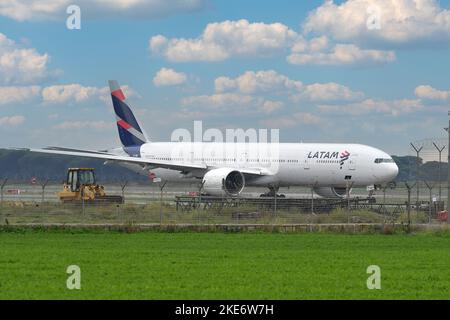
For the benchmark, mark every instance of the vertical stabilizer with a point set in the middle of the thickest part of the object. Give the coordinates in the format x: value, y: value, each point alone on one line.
x: 130, y: 132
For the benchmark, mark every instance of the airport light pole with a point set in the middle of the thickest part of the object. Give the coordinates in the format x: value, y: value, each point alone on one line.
x: 439, y: 149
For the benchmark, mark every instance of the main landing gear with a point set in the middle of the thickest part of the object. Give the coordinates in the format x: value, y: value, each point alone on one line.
x: 272, y: 192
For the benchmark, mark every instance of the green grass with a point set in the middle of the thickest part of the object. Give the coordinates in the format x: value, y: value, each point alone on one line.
x: 151, y: 265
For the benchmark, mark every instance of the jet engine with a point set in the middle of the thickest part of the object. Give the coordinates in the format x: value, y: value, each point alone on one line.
x: 223, y: 182
x: 331, y: 192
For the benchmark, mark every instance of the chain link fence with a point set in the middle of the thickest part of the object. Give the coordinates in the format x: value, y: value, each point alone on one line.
x: 183, y: 204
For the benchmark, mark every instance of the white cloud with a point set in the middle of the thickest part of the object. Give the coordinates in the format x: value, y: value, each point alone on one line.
x: 25, y: 10
x: 21, y: 65
x: 219, y: 100
x: 169, y: 77
x: 69, y: 93
x: 393, y: 107
x: 341, y: 54
x: 77, y: 93
x: 292, y: 121
x: 272, y: 82
x: 253, y: 82
x: 327, y: 92
x: 266, y: 92
x: 430, y: 93
x: 12, y: 121
x: 94, y: 125
x: 271, y: 106
x: 219, y: 41
x: 401, y: 21
x: 183, y: 50
x: 10, y: 95
x: 231, y: 101
x: 223, y: 40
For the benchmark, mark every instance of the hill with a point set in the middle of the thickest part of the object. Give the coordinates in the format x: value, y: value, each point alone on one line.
x: 412, y: 167
x: 22, y: 166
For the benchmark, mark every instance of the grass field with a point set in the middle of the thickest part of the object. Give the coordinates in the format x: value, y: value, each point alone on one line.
x: 151, y: 265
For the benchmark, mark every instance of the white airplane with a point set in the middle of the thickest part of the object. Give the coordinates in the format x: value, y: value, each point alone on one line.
x: 225, y: 169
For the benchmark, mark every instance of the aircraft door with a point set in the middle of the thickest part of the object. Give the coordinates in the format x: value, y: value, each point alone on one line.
x: 352, y: 162
x: 306, y: 163
x: 243, y: 158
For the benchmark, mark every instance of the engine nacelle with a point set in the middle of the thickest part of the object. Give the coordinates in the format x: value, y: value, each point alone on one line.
x: 224, y: 181
x: 331, y: 192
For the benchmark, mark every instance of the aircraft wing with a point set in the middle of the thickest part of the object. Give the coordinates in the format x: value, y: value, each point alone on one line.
x: 74, y: 150
x: 118, y: 158
x: 256, y: 171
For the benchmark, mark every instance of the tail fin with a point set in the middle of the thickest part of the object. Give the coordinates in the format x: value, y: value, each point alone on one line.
x: 130, y: 131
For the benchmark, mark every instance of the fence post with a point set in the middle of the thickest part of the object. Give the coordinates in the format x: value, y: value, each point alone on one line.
x: 409, y: 207
x: 275, y: 190
x: 200, y: 200
x: 161, y: 187
x: 275, y: 204
x: 1, y: 203
x: 43, y: 186
x: 348, y: 187
x: 82, y: 201
x: 123, y: 186
x: 439, y: 149
x: 2, y: 188
x: 430, y: 189
x: 417, y: 150
x: 409, y: 204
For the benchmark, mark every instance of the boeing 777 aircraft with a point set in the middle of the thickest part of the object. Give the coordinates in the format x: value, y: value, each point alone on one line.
x: 227, y: 168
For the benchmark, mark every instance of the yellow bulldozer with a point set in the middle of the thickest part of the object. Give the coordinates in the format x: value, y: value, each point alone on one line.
x: 81, y: 186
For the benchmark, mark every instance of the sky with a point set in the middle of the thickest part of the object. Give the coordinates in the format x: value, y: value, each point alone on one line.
x: 356, y: 71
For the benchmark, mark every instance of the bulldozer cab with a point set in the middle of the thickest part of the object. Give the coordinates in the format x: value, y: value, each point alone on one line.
x: 76, y: 177
x: 81, y: 186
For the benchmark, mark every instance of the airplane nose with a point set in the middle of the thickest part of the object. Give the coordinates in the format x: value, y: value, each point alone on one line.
x: 387, y: 173
x: 394, y: 171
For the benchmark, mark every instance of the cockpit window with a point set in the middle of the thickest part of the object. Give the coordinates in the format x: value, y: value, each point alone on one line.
x: 385, y: 160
